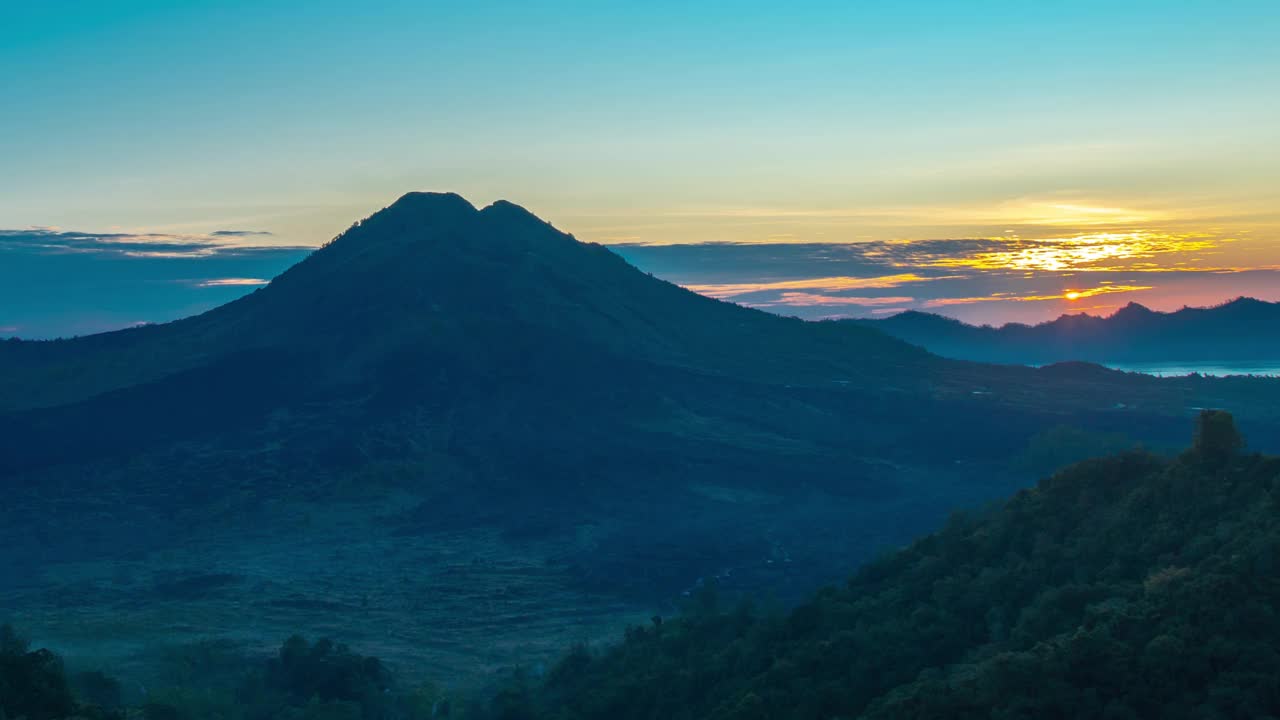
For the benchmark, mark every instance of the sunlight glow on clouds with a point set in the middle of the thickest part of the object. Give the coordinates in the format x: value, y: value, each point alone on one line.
x: 1066, y: 214
x: 1011, y: 297
x: 986, y: 279
x: 1091, y: 252
x: 800, y: 299
x: 828, y: 284
x: 1123, y: 142
x: 53, y: 241
x: 231, y: 282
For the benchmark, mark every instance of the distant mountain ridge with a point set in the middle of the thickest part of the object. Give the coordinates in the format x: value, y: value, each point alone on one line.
x: 1242, y: 330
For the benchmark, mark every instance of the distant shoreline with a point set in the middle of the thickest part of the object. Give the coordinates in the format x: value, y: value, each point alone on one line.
x: 1215, y: 369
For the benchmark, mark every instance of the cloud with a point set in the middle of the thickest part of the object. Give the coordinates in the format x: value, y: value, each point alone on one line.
x: 997, y: 279
x: 718, y: 269
x: 800, y: 299
x: 1090, y: 252
x: 229, y: 282
x: 59, y: 283
x: 238, y: 233
x: 47, y: 241
x: 1070, y: 295
x: 827, y: 284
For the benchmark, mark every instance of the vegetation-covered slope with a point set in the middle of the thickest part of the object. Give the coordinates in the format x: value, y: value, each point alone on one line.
x: 1124, y: 587
x: 470, y: 405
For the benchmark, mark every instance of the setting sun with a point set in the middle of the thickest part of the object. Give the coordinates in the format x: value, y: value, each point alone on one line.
x: 1072, y: 295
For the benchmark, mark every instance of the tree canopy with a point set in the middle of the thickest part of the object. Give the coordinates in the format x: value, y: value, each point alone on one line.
x: 1125, y: 587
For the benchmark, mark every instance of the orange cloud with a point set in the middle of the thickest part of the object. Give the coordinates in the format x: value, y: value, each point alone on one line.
x: 826, y: 284
x: 1092, y: 252
x: 231, y: 282
x: 1064, y: 295
x: 803, y: 299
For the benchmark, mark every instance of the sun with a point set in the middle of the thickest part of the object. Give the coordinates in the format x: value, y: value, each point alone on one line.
x: 1072, y: 295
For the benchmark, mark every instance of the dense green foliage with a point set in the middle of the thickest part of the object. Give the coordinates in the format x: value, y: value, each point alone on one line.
x: 34, y: 685
x: 1126, y: 587
x: 304, y: 681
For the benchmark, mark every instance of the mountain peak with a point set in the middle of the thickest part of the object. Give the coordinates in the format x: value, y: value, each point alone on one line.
x: 505, y: 206
x: 433, y: 202
x: 1134, y: 309
x: 1245, y: 302
x: 507, y: 213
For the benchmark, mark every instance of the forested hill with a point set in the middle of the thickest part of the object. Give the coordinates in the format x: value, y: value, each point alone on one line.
x: 1126, y: 587
x: 1237, y: 331
x: 442, y: 378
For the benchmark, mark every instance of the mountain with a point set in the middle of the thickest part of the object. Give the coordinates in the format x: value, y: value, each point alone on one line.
x: 432, y: 271
x: 1237, y: 331
x: 1127, y: 587
x: 465, y: 425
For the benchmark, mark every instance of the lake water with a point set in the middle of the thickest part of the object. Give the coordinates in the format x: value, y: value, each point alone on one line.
x: 1205, y: 368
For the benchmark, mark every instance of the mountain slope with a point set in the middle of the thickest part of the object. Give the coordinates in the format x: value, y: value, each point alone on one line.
x: 1238, y: 331
x: 432, y: 299
x: 470, y: 406
x: 1125, y: 587
x: 432, y: 270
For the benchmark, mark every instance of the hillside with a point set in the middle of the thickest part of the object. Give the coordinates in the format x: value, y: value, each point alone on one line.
x: 1238, y: 331
x: 1125, y: 587
x: 433, y: 274
x: 466, y: 425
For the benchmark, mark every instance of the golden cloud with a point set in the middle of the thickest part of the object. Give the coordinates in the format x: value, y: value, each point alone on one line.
x: 825, y: 284
x: 231, y: 282
x: 800, y: 299
x: 1069, y: 294
x: 1091, y: 252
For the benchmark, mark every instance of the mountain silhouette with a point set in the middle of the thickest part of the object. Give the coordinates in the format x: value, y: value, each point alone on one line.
x: 441, y: 379
x: 433, y: 272
x: 1237, y: 331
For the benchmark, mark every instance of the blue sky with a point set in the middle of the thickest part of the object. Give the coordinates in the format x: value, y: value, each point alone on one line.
x: 652, y: 124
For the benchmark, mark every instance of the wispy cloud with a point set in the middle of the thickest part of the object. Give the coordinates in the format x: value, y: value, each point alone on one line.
x: 230, y: 282
x: 800, y: 299
x: 238, y: 233
x: 59, y: 283
x: 50, y: 241
x: 826, y: 284
x: 978, y: 279
x: 1070, y: 295
x: 1046, y: 211
x: 1091, y: 252
x: 1046, y: 215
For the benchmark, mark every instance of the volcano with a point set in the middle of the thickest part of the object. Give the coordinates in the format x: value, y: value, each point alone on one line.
x: 464, y: 423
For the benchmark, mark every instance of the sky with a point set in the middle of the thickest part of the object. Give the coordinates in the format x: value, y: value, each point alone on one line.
x: 993, y: 161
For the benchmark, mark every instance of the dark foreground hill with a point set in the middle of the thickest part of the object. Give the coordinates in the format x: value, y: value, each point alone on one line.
x: 466, y: 425
x: 1238, y: 331
x: 1125, y: 587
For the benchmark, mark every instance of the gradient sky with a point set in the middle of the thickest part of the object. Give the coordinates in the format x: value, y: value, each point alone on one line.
x: 1116, y: 151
